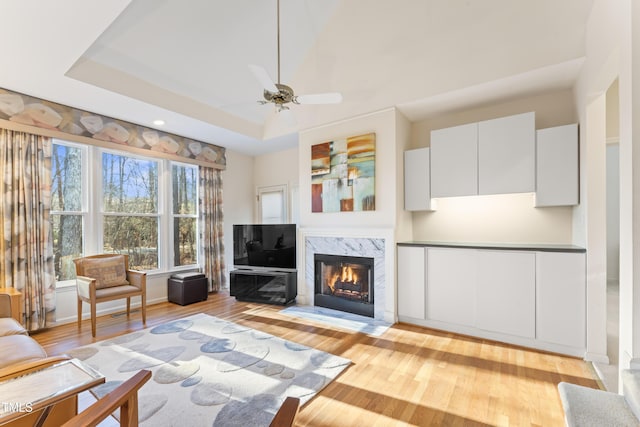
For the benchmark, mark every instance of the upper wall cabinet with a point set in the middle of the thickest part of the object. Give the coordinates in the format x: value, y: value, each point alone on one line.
x: 416, y: 180
x: 454, y: 166
x: 506, y: 155
x: 557, y: 166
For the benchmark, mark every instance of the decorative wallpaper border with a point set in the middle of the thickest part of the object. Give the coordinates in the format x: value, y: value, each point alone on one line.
x: 27, y: 110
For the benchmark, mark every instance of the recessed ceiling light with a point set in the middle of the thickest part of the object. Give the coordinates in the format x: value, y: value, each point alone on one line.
x: 158, y: 122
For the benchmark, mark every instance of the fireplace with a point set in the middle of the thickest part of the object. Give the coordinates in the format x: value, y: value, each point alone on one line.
x: 344, y: 283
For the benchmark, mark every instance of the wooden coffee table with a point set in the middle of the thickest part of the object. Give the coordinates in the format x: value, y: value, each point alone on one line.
x: 43, y: 388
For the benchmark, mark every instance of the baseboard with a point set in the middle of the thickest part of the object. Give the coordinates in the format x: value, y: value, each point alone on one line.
x: 103, y: 312
x: 596, y: 357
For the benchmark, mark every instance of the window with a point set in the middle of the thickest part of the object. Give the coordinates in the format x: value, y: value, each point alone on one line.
x: 145, y: 208
x: 68, y: 206
x: 184, y: 179
x: 130, y: 209
x: 272, y: 202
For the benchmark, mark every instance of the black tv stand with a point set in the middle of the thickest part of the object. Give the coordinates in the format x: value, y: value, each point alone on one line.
x: 266, y: 286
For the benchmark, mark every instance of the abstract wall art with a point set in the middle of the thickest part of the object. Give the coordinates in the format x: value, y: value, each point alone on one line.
x: 343, y: 174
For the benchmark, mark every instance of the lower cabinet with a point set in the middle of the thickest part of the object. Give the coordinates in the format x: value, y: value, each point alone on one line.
x: 506, y: 292
x: 412, y: 269
x: 561, y: 298
x: 524, y: 297
x: 272, y: 287
x: 451, y: 288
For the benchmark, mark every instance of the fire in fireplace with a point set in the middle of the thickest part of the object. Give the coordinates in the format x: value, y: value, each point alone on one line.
x: 344, y: 283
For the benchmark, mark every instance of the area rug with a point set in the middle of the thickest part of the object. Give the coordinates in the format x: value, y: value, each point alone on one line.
x: 211, y: 372
x: 341, y: 319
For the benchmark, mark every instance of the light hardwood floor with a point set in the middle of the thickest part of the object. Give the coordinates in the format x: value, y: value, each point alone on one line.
x: 408, y: 376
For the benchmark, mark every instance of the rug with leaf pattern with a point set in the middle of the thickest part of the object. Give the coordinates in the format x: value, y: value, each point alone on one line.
x: 211, y: 372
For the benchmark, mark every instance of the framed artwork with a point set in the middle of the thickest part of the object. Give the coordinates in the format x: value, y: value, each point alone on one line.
x: 343, y: 174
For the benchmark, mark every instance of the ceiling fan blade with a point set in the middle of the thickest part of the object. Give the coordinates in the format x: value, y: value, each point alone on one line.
x: 264, y: 78
x: 320, y: 98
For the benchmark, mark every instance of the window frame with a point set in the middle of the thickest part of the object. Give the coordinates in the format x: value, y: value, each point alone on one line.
x: 93, y: 213
x: 99, y: 201
x: 283, y: 189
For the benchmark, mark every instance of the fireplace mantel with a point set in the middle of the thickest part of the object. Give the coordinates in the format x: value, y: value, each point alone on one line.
x: 376, y: 243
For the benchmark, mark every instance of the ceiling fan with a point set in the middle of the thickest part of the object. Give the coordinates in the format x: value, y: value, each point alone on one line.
x: 280, y: 94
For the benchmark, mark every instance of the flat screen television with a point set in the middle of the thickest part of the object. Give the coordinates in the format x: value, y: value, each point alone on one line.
x: 264, y: 246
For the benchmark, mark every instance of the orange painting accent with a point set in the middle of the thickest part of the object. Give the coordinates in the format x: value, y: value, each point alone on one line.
x: 316, y: 197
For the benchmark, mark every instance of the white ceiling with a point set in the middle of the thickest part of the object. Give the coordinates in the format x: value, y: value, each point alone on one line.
x: 186, y: 61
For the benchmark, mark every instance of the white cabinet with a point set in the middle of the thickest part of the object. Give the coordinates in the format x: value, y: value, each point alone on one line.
x: 561, y: 299
x: 454, y: 165
x: 411, y: 281
x: 506, y: 155
x: 451, y: 290
x: 506, y: 292
x: 527, y: 297
x: 557, y: 166
x: 490, y: 157
x: 417, y: 180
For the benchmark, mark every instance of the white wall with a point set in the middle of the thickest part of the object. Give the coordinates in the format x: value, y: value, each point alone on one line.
x: 510, y: 218
x: 404, y: 219
x: 279, y: 168
x: 613, y: 183
x: 238, y: 197
x: 613, y: 213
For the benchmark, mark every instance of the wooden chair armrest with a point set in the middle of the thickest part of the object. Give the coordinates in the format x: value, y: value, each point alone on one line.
x: 125, y: 397
x: 25, y: 367
x: 5, y: 305
x: 287, y: 413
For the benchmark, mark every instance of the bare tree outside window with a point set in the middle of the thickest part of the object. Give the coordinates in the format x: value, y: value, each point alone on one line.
x: 66, y: 208
x: 130, y: 209
x: 185, y: 214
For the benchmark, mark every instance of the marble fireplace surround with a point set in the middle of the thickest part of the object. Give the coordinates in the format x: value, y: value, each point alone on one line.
x: 377, y: 244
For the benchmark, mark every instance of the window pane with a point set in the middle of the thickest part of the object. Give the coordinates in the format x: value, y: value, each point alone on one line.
x: 272, y: 204
x: 184, y: 242
x: 185, y: 189
x: 66, y: 178
x: 135, y: 236
x: 67, y: 244
x: 129, y: 184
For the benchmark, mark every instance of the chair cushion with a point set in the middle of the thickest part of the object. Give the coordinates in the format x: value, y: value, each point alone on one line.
x: 19, y: 348
x: 108, y: 271
x: 9, y: 326
x: 116, y: 290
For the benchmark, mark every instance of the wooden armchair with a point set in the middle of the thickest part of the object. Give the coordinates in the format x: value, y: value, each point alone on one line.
x: 107, y: 277
x: 286, y: 415
x: 125, y: 397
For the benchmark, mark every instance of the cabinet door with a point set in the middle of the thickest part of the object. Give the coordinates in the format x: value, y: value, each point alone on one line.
x: 506, y: 292
x: 451, y: 285
x: 416, y: 180
x: 454, y: 161
x: 557, y: 166
x: 561, y: 299
x: 411, y: 281
x: 506, y: 155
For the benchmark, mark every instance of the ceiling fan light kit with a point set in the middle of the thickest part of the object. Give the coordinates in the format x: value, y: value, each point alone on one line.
x: 280, y: 94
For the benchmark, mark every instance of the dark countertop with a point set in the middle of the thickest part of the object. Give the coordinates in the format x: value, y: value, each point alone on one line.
x: 543, y: 247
